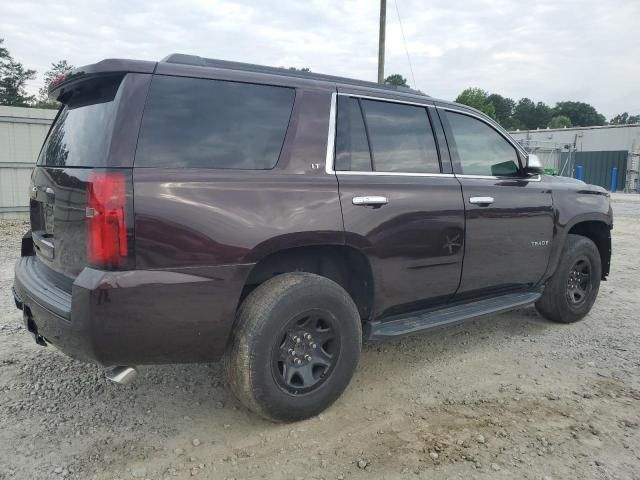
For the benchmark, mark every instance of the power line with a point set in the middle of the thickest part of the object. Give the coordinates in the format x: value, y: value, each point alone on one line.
x: 406, y: 49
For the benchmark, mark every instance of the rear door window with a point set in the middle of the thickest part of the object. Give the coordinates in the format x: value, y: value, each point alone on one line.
x: 401, y: 137
x: 352, y: 148
x: 200, y: 123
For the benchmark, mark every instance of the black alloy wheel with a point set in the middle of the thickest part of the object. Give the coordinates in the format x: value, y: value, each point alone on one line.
x: 570, y: 293
x: 306, y: 353
x: 294, y: 347
x: 579, y: 282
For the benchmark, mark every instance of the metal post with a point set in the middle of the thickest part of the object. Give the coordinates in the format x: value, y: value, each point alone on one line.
x: 614, y: 179
x: 579, y: 172
x: 383, y: 21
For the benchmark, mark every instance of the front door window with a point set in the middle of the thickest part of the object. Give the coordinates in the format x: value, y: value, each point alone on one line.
x: 481, y: 149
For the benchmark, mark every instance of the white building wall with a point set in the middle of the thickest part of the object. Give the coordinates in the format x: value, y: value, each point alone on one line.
x: 587, y: 139
x: 22, y: 131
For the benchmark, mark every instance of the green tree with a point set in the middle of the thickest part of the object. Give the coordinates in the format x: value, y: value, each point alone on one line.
x: 4, y: 53
x: 59, y: 68
x: 478, y: 99
x: 581, y: 114
x: 504, y: 108
x: 530, y: 115
x: 624, y: 119
x: 560, y: 121
x: 13, y: 79
x: 396, y: 79
x: 524, y: 113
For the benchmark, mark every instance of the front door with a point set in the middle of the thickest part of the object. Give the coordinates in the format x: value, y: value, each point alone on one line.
x: 398, y: 205
x: 509, y: 216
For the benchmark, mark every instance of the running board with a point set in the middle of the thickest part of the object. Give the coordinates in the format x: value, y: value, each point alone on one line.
x: 425, y: 320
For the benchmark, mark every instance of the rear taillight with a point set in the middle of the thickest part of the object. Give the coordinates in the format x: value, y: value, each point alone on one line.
x: 107, y: 220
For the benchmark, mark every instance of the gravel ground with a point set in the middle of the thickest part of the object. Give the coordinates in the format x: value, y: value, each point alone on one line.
x: 511, y: 396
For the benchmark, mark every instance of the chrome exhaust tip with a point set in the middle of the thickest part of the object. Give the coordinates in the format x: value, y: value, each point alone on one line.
x: 122, y: 375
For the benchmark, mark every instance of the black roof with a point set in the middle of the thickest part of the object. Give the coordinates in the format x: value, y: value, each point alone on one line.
x: 183, y: 59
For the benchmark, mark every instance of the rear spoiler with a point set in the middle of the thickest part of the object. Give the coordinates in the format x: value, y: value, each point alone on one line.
x: 65, y: 83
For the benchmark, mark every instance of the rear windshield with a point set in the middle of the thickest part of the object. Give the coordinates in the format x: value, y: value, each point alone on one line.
x: 81, y: 133
x: 199, y: 123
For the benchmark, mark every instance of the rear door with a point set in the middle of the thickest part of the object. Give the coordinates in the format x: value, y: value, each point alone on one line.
x: 509, y: 216
x: 399, y: 205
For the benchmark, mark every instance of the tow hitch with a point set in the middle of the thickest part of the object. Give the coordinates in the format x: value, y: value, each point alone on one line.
x: 31, y: 326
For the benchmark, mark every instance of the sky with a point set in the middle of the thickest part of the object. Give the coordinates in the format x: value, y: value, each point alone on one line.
x: 585, y: 50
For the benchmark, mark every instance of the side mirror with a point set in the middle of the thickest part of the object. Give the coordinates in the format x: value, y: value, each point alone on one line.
x: 534, y: 165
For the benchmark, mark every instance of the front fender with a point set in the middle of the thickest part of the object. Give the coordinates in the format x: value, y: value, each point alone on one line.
x: 572, y: 207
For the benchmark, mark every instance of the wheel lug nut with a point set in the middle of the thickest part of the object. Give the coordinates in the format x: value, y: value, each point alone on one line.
x: 296, y: 339
x: 307, y: 336
x: 313, y: 345
x: 307, y: 357
x: 297, y: 361
x: 290, y: 351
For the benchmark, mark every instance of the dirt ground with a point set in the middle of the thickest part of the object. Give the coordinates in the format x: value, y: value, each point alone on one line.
x: 511, y: 396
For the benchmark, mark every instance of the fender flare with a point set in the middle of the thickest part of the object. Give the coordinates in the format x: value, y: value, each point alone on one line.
x: 560, y: 237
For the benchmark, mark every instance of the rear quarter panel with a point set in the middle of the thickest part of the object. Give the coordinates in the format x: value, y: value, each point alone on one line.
x: 193, y: 218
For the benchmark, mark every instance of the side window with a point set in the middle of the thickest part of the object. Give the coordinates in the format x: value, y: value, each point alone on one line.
x: 352, y: 149
x: 199, y: 123
x: 481, y: 149
x: 401, y: 138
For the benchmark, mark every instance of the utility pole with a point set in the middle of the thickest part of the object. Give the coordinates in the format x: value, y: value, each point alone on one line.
x: 383, y: 21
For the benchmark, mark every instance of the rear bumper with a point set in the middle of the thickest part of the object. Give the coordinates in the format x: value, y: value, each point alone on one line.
x: 132, y: 317
x: 47, y: 310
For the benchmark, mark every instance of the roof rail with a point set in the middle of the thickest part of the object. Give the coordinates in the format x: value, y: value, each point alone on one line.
x: 184, y: 59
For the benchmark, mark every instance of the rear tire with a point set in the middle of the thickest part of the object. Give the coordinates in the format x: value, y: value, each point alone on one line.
x: 294, y: 347
x: 573, y: 288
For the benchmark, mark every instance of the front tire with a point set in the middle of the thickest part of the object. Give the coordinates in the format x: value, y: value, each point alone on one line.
x: 573, y: 288
x: 294, y: 347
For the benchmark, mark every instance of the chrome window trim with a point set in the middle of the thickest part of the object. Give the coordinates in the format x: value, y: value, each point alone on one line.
x: 331, y: 140
x: 331, y: 137
x: 383, y: 99
x: 394, y: 174
x: 537, y: 178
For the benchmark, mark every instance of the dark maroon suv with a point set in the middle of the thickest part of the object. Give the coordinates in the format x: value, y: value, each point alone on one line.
x: 193, y: 209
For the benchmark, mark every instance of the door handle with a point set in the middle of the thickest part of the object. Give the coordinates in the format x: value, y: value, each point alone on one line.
x: 483, y: 201
x: 370, y: 201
